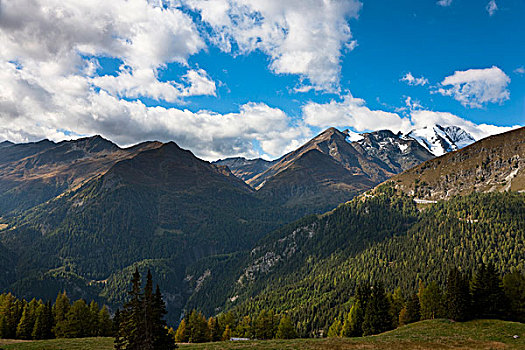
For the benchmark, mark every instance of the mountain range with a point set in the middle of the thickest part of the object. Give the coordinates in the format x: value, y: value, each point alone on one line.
x: 79, y: 215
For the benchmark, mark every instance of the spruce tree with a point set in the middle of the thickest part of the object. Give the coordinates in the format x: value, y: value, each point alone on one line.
x: 132, y: 325
x: 514, y: 287
x: 457, y: 296
x: 40, y: 322
x: 377, y: 314
x: 431, y: 301
x: 411, y: 312
x: 488, y: 296
x: 105, y: 325
x: 163, y: 340
x: 60, y: 310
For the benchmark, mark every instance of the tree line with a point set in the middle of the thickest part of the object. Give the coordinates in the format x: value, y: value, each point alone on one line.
x: 36, y: 319
x: 485, y: 295
x: 195, y: 328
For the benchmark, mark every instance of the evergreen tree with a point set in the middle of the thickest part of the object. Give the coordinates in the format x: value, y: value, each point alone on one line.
x: 244, y: 328
x: 105, y: 325
x: 431, y: 301
x: 488, y: 297
x: 397, y: 303
x: 60, y: 310
x: 93, y: 319
x: 411, y: 312
x: 457, y: 296
x: 514, y: 286
x: 377, y: 314
x: 27, y: 321
x: 78, y: 320
x: 286, y: 329
x: 40, y: 322
x: 131, y: 324
x: 117, y: 331
x: 198, y: 328
x: 162, y: 339
x: 215, y: 329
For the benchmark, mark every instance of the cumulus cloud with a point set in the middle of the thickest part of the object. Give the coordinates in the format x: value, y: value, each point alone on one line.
x: 40, y: 114
x: 444, y: 3
x: 477, y: 87
x: 352, y: 112
x: 301, y: 37
x: 424, y: 118
x: 49, y: 86
x: 411, y: 80
x: 55, y: 39
x: 492, y: 7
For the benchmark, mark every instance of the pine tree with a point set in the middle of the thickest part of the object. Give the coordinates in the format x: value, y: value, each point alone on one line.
x: 377, y: 314
x: 60, y: 310
x: 286, y: 329
x: 488, y: 297
x: 411, y: 312
x: 397, y: 303
x: 244, y: 328
x: 131, y: 324
x: 457, y: 296
x: 94, y: 309
x: 40, y: 322
x: 27, y: 321
x: 162, y: 339
x: 78, y: 318
x: 117, y: 331
x: 198, y: 328
x: 105, y: 325
x: 431, y: 301
x: 215, y: 329
x: 514, y: 287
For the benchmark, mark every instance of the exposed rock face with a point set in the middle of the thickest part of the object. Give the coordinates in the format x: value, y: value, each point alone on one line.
x: 496, y: 163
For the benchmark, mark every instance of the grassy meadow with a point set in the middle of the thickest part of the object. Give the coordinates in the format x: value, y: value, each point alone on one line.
x: 430, y: 334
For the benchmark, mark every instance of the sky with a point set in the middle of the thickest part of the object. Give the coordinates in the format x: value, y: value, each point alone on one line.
x: 257, y: 78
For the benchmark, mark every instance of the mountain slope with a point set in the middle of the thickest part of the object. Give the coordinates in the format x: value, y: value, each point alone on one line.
x: 162, y: 209
x: 329, y: 170
x: 495, y: 163
x: 33, y: 173
x: 244, y: 168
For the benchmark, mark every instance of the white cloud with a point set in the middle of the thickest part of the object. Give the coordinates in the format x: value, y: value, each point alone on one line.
x: 444, y: 3
x: 477, y: 87
x: 411, y: 80
x: 422, y: 118
x: 352, y: 112
x: 303, y: 37
x: 54, y: 39
x: 492, y: 7
x: 519, y: 70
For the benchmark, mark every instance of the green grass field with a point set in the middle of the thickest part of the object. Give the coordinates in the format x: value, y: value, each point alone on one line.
x: 435, y: 334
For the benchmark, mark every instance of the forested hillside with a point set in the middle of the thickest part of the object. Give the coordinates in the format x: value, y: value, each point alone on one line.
x: 161, y: 209
x: 311, y: 268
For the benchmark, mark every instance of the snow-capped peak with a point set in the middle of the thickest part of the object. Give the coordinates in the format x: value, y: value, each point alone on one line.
x: 440, y: 140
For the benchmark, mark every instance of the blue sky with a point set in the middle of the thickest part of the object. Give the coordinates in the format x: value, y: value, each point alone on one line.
x: 251, y: 78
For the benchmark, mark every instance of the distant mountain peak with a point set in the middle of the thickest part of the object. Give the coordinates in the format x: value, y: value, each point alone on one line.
x: 439, y: 140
